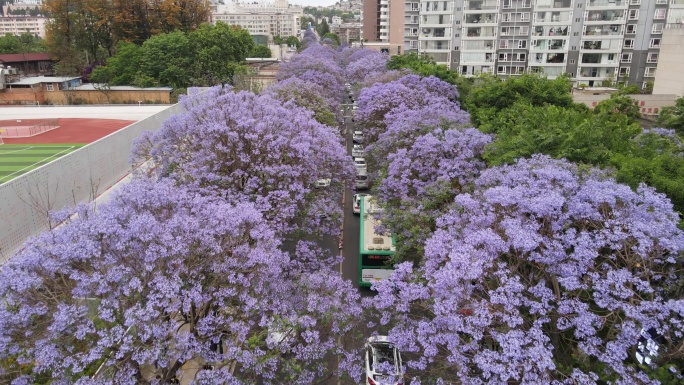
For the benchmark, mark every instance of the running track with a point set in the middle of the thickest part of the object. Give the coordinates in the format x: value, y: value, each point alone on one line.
x: 75, y: 131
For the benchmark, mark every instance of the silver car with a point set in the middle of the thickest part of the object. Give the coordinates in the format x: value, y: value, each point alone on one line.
x: 383, y: 362
x: 357, y: 151
x: 357, y: 137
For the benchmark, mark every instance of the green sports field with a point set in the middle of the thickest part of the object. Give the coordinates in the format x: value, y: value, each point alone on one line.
x: 17, y: 159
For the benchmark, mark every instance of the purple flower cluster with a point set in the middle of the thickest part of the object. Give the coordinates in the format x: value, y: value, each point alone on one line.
x: 541, y: 263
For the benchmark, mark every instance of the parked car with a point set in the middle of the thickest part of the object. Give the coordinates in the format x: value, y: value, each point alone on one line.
x: 322, y: 183
x: 357, y: 151
x: 357, y: 137
x: 383, y: 362
x: 360, y: 163
x: 362, y: 181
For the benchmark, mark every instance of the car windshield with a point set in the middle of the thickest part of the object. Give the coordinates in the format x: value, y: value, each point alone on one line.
x: 384, y: 357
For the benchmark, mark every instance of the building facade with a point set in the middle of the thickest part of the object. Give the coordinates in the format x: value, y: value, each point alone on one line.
x: 594, y: 41
x: 18, y: 25
x: 277, y: 18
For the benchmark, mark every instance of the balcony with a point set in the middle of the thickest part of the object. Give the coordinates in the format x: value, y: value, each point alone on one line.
x: 548, y: 71
x: 434, y: 45
x: 550, y: 31
x: 479, y: 18
x: 479, y: 32
x: 595, y: 72
x: 678, y: 3
x: 483, y: 5
x: 554, y: 4
x: 478, y: 45
x: 593, y: 4
x: 516, y: 4
x: 550, y: 45
x: 598, y: 59
x: 552, y: 17
x: 603, y: 16
x: 476, y: 58
x: 604, y: 30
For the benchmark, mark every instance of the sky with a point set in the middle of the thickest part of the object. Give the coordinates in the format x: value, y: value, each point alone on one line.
x: 313, y: 3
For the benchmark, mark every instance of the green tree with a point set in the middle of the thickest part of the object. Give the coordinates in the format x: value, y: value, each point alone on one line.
x: 122, y: 68
x: 619, y: 104
x: 332, y: 36
x: 305, y: 20
x: 169, y: 58
x: 292, y: 41
x: 489, y: 94
x: 219, y: 49
x: 260, y: 51
x: 323, y: 28
x: 24, y: 43
x: 673, y: 117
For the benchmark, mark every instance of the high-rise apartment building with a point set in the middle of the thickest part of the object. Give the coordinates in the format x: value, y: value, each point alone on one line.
x: 260, y: 17
x: 383, y: 22
x: 592, y: 40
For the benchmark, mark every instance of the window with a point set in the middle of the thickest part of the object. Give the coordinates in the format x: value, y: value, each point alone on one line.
x: 634, y: 2
x: 50, y: 87
x: 652, y: 58
x: 579, y: 5
x: 414, y: 44
x: 577, y: 20
x: 650, y: 72
x: 522, y: 44
x: 524, y: 30
x: 631, y: 29
x: 629, y: 43
x: 660, y: 13
x: 504, y: 31
x: 611, y: 56
x: 633, y: 14
x: 657, y: 28
x: 626, y: 58
x: 502, y: 56
x: 661, y: 1
x: 503, y: 43
x: 624, y: 71
x: 572, y: 61
x: 654, y: 43
x: 501, y: 70
x: 575, y: 34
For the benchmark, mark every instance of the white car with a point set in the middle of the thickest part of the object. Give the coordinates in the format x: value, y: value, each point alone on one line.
x: 357, y: 137
x: 383, y: 362
x: 362, y: 181
x: 360, y: 163
x: 357, y: 151
x: 322, y: 183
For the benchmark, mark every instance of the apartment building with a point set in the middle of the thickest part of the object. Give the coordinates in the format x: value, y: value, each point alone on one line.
x: 592, y: 40
x: 383, y: 24
x: 18, y: 25
x: 261, y: 17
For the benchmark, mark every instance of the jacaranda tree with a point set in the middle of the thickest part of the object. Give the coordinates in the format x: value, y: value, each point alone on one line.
x: 544, y: 273
x: 357, y: 70
x: 164, y: 278
x: 244, y: 147
x: 427, y: 157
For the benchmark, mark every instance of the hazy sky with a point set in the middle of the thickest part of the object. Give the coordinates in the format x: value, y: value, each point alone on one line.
x: 313, y: 3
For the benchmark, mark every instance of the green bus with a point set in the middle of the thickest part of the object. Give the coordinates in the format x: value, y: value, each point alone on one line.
x: 374, y: 249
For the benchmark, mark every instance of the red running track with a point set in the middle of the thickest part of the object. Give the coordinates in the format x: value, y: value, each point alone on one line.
x: 75, y: 131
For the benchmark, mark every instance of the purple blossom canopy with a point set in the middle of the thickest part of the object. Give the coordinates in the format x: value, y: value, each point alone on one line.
x: 368, y: 65
x: 159, y: 277
x: 540, y: 264
x: 244, y: 147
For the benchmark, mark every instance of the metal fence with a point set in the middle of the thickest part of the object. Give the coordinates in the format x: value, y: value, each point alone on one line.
x: 76, y: 177
x: 22, y: 129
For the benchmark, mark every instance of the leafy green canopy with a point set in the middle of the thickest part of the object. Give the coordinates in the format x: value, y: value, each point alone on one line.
x: 673, y: 117
x: 207, y: 56
x: 24, y: 43
x: 490, y: 94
